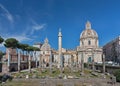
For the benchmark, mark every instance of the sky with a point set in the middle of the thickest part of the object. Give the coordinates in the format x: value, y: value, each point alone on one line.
x: 31, y: 21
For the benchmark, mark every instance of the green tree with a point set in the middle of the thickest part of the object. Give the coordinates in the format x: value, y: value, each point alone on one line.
x: 11, y: 43
x: 23, y: 46
x: 36, y: 49
x: 1, y: 39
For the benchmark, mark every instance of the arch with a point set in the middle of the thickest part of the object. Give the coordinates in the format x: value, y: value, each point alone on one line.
x: 47, y: 64
x: 13, y: 69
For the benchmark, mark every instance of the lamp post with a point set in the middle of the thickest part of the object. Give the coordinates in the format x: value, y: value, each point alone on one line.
x: 93, y: 65
x: 82, y: 62
x: 50, y: 61
x: 76, y: 61
x: 61, y: 63
x: 103, y: 56
x: 43, y: 61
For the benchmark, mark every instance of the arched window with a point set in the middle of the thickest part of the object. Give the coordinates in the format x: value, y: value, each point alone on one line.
x: 89, y: 42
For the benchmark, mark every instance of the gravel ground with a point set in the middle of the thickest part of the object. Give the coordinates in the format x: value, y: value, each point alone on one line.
x: 62, y: 82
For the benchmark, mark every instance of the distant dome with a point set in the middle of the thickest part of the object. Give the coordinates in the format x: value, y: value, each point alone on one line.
x: 88, y: 32
x: 45, y: 46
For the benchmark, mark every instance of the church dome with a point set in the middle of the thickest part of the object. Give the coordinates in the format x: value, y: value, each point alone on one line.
x: 45, y: 46
x: 88, y: 32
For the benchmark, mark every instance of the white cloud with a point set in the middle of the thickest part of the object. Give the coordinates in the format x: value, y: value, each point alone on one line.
x: 39, y: 27
x: 35, y: 26
x: 6, y: 13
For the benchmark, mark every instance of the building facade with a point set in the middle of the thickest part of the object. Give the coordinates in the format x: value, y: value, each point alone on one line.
x: 45, y: 53
x: 112, y: 50
x: 89, y: 49
x: 69, y: 57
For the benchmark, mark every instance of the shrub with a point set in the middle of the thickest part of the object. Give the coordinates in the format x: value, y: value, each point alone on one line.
x: 0, y: 79
x: 6, y: 77
x: 117, y: 74
x: 10, y: 78
x: 85, y: 65
x: 53, y: 71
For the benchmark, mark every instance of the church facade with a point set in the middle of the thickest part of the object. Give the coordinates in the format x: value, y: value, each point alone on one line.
x: 89, y: 50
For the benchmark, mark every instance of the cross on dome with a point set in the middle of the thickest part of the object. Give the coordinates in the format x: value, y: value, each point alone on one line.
x: 46, y: 40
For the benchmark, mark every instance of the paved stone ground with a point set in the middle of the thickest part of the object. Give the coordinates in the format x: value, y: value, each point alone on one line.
x: 70, y: 82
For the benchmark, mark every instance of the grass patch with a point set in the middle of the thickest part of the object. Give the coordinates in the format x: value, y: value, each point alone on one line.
x: 55, y: 72
x: 87, y: 71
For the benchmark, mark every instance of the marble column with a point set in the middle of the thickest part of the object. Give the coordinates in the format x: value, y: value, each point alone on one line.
x: 29, y: 63
x: 8, y: 60
x: 60, y: 48
x: 18, y: 61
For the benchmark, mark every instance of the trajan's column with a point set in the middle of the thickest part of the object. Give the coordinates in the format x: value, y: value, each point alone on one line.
x: 60, y: 48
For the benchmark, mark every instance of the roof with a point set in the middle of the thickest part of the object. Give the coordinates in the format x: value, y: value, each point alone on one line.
x: 88, y: 32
